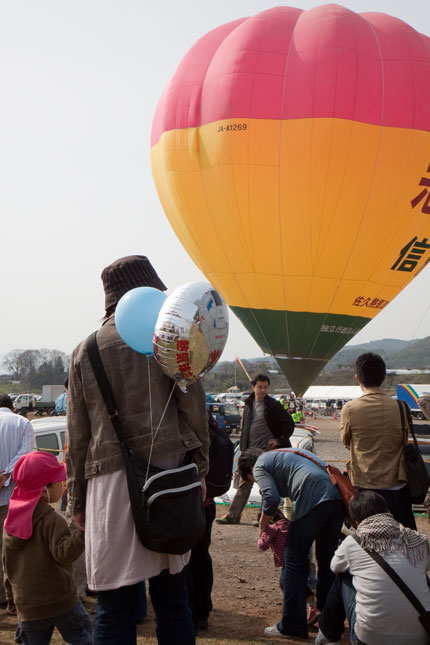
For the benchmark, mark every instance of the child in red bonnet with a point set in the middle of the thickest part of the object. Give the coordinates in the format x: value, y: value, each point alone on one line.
x: 38, y: 551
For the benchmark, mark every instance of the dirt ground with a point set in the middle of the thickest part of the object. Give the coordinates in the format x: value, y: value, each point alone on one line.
x: 246, y: 594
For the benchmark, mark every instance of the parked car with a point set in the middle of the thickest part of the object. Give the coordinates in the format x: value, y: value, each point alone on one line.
x: 25, y: 403
x: 50, y: 435
x: 226, y: 414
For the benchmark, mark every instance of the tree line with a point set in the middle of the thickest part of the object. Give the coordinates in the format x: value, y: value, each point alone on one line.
x: 37, y: 367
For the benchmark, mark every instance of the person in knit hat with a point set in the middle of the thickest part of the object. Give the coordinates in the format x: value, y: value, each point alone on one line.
x: 98, y: 497
x: 38, y: 552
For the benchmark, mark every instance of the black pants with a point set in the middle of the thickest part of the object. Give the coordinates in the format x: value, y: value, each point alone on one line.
x: 200, y: 571
x: 400, y: 505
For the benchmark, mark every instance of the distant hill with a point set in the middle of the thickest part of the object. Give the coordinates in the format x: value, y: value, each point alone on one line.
x: 415, y: 355
x: 394, y: 352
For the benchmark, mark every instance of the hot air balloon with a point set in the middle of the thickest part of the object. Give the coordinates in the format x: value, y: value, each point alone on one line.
x: 291, y: 154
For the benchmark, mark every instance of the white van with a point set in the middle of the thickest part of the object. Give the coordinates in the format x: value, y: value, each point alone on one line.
x: 50, y: 435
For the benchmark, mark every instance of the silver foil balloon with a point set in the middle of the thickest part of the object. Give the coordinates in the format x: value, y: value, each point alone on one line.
x: 190, y: 332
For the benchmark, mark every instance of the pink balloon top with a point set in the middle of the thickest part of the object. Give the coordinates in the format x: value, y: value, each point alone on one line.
x: 285, y: 63
x: 31, y: 474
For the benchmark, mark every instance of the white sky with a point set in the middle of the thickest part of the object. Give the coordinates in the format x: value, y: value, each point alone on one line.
x: 80, y: 81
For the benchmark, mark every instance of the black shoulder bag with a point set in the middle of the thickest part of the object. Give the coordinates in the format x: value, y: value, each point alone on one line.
x: 166, y: 505
x: 423, y: 614
x: 418, y: 477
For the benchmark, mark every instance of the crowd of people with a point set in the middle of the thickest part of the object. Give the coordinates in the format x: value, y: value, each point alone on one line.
x: 39, y: 548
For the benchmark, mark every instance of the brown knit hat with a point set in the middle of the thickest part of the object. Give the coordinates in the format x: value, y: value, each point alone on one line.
x: 128, y: 273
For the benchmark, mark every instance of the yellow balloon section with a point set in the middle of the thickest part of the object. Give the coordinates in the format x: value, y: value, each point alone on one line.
x: 291, y: 154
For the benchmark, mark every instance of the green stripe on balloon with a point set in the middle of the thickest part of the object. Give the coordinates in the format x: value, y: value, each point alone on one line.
x: 302, y: 342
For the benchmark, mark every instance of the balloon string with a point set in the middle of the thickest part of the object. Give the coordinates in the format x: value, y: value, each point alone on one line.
x: 150, y: 412
x: 153, y: 437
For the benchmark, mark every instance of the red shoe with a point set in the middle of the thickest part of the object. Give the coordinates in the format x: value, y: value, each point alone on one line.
x: 314, y: 614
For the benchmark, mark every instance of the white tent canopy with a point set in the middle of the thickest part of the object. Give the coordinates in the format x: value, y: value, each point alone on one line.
x: 321, y: 392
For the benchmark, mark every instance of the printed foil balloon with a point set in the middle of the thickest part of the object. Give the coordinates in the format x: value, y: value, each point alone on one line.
x: 190, y: 332
x: 291, y: 154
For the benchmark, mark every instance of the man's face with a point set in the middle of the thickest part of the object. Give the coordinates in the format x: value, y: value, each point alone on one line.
x: 261, y: 389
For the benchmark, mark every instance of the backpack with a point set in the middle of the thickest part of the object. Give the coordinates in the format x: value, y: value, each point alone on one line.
x: 221, y: 450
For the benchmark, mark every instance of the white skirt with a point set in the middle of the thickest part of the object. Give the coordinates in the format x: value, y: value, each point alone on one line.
x: 115, y: 557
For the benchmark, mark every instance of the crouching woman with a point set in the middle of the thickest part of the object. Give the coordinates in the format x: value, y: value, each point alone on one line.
x: 378, y: 612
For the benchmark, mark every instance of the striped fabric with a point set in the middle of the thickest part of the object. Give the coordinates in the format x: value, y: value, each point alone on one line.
x: 275, y: 537
x: 16, y: 439
x: 128, y: 273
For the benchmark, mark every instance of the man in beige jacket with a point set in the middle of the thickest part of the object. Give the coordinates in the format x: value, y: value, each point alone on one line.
x: 371, y: 429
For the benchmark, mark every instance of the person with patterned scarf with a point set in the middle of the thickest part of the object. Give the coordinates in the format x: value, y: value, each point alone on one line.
x: 378, y: 612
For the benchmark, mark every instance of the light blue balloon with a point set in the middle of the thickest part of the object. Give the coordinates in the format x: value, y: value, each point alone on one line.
x: 135, y: 317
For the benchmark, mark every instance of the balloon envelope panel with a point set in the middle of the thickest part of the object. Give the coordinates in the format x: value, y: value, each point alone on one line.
x: 291, y: 154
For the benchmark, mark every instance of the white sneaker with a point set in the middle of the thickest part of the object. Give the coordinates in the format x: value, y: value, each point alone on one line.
x: 322, y: 640
x: 274, y: 632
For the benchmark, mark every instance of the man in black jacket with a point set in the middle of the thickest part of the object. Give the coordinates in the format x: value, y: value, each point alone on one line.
x: 265, y: 425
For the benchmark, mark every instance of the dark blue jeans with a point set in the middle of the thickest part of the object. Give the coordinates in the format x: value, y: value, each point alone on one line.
x: 200, y: 571
x: 74, y: 626
x: 322, y: 525
x: 340, y: 604
x: 142, y: 605
x: 116, y: 613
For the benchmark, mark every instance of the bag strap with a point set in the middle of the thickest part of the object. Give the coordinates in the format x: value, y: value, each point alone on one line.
x: 328, y: 467
x: 404, y: 408
x: 103, y: 383
x: 302, y: 454
x: 395, y: 578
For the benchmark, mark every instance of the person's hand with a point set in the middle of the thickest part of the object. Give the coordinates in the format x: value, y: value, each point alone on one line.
x: 273, y: 443
x: 79, y: 520
x: 3, y: 477
x: 265, y: 520
x: 203, y: 482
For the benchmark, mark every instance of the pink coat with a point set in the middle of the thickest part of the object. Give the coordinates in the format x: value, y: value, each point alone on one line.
x: 275, y: 537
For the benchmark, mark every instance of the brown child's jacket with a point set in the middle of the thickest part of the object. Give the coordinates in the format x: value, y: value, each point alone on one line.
x: 39, y: 570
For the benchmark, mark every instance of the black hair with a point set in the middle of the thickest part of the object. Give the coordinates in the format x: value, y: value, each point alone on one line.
x: 260, y: 377
x: 370, y: 369
x: 247, y: 460
x: 66, y: 383
x: 365, y: 504
x: 6, y: 401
